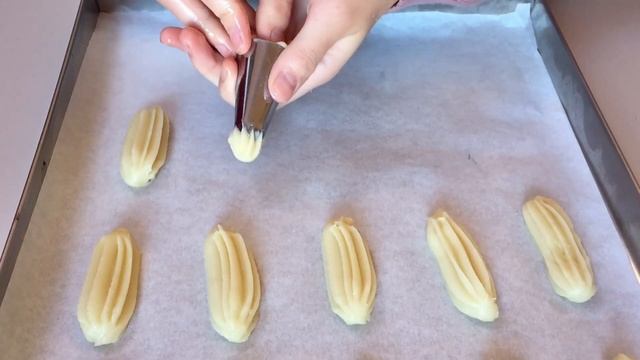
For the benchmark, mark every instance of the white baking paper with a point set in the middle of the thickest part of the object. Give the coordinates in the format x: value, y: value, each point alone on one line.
x: 435, y: 110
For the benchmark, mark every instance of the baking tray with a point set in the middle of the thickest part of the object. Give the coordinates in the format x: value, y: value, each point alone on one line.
x: 81, y: 34
x: 509, y: 338
x: 600, y: 149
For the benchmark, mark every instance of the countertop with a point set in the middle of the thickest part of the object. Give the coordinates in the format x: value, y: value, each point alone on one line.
x: 603, y: 37
x: 35, y: 35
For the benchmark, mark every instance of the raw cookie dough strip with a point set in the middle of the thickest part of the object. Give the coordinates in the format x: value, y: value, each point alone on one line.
x: 567, y: 262
x: 245, y: 145
x: 469, y: 282
x: 622, y: 357
x: 349, y: 272
x: 233, y: 285
x: 145, y: 147
x: 110, y: 289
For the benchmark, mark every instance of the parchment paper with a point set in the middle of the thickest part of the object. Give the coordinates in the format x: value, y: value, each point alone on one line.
x: 435, y: 110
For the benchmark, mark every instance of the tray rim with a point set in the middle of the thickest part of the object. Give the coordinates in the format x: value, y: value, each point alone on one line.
x: 84, y: 24
x: 606, y: 162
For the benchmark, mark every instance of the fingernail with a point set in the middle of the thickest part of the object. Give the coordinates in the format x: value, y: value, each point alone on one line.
x: 223, y: 49
x: 237, y: 39
x: 276, y: 35
x: 285, y: 85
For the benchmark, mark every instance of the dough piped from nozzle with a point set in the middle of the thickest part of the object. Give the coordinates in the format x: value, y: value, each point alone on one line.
x: 468, y: 280
x: 567, y: 262
x: 350, y: 276
x: 622, y: 356
x: 245, y: 145
x: 110, y: 288
x: 233, y: 285
x: 145, y: 147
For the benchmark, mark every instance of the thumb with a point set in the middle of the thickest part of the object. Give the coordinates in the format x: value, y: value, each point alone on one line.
x: 301, y: 57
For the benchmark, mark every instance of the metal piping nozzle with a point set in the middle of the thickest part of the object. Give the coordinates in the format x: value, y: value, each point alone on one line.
x: 254, y: 105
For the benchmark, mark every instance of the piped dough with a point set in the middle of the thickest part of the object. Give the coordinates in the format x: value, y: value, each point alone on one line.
x: 145, y: 147
x: 468, y: 281
x: 233, y: 285
x: 622, y: 357
x: 567, y: 262
x: 244, y: 144
x: 110, y: 289
x: 351, y: 278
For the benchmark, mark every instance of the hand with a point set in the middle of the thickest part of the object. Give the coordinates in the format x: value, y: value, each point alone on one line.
x: 322, y: 36
x: 226, y: 24
x: 331, y: 33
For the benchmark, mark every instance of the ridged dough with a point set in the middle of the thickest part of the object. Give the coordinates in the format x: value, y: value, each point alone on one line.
x: 233, y: 285
x: 567, y: 262
x: 469, y: 282
x: 622, y: 357
x: 351, y: 278
x: 145, y: 147
x: 244, y: 144
x: 110, y: 289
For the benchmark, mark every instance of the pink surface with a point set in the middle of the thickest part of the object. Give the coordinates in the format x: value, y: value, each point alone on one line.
x: 34, y: 35
x: 604, y: 39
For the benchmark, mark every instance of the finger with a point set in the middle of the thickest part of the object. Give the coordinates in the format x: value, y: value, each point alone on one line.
x: 227, y: 84
x: 206, y: 60
x: 171, y: 36
x: 235, y: 17
x: 300, y: 59
x: 273, y: 19
x: 219, y: 71
x: 195, y: 13
x: 331, y: 64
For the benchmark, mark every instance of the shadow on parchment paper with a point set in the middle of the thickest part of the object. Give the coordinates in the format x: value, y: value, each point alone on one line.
x: 368, y: 356
x: 497, y: 352
x: 533, y: 192
x: 343, y: 208
x: 456, y: 213
x: 440, y: 204
x: 170, y: 106
x: 233, y: 218
x: 72, y: 157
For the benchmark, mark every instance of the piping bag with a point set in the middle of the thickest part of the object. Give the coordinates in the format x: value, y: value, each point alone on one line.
x: 254, y: 106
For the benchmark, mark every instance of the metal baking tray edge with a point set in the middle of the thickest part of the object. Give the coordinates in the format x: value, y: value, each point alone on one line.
x: 85, y: 22
x: 599, y: 148
x: 607, y: 164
